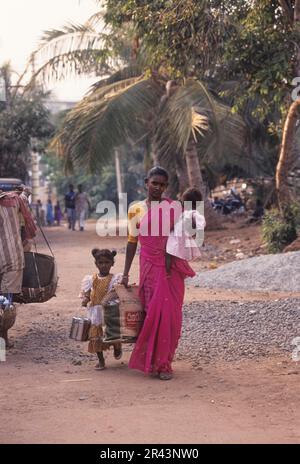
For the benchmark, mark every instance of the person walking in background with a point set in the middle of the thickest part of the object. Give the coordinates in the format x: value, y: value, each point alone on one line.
x: 82, y: 206
x: 49, y: 217
x: 70, y: 207
x: 57, y: 214
x: 38, y: 208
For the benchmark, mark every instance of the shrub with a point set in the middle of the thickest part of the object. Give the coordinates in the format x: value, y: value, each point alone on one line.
x: 280, y: 229
x: 295, y: 209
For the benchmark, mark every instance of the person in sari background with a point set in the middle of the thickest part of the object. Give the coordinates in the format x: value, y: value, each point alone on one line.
x: 150, y: 223
x: 50, y: 216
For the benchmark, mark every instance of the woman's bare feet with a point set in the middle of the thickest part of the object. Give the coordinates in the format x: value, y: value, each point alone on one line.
x: 165, y: 375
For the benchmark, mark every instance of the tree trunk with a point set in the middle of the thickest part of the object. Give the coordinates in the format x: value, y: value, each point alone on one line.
x: 297, y: 15
x: 182, y: 174
x: 297, y: 29
x: 213, y: 221
x: 284, y: 163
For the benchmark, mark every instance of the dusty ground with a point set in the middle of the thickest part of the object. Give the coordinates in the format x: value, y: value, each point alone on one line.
x: 50, y: 392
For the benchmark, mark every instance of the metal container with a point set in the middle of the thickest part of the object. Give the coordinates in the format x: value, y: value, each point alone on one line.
x: 82, y: 333
x: 74, y: 327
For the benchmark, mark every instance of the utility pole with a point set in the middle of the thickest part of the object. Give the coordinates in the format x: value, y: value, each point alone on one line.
x: 2, y: 90
x: 122, y: 202
x: 35, y: 177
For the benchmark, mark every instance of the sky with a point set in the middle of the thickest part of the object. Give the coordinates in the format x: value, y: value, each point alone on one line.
x: 22, y: 23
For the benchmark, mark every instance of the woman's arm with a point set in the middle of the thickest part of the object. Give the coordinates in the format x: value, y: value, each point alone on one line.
x: 130, y: 254
x: 168, y: 263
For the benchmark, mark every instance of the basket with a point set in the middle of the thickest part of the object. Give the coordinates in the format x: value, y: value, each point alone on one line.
x: 7, y: 319
x: 39, y: 279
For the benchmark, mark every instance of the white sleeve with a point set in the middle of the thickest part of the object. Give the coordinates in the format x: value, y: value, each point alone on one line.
x: 86, y: 283
x: 117, y: 278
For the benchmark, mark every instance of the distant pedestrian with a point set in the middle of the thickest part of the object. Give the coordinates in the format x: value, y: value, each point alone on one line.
x: 38, y: 212
x: 82, y: 206
x: 70, y: 207
x: 58, y: 213
x: 42, y: 217
x: 50, y: 217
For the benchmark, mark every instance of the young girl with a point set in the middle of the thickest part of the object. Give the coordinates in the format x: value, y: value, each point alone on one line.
x: 94, y: 289
x: 181, y: 241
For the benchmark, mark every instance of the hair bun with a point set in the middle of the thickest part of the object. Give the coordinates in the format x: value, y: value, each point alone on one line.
x: 114, y: 253
x: 95, y: 251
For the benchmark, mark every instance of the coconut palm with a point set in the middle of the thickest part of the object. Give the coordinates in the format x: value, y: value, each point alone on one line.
x: 180, y: 126
x: 288, y: 154
x: 185, y: 126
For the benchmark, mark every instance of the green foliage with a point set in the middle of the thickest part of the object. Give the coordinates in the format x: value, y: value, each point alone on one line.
x: 244, y: 51
x: 102, y: 184
x: 181, y: 36
x: 105, y: 120
x: 262, y: 55
x: 23, y: 119
x: 295, y: 212
x: 280, y: 229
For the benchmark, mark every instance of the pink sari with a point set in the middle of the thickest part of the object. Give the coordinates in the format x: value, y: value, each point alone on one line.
x: 161, y: 296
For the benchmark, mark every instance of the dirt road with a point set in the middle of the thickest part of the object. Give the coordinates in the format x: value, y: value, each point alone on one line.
x: 50, y: 392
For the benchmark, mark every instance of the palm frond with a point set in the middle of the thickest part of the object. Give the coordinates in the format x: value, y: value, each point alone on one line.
x: 233, y: 141
x: 199, y: 123
x: 69, y: 28
x: 96, y: 19
x: 188, y: 112
x: 193, y: 111
x: 74, y: 48
x: 77, y: 63
x: 125, y: 73
x: 106, y: 119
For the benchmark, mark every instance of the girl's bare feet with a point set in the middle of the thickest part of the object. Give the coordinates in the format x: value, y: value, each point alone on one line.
x: 118, y: 351
x: 101, y: 364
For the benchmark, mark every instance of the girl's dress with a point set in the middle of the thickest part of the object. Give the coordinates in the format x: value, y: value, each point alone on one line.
x: 97, y: 287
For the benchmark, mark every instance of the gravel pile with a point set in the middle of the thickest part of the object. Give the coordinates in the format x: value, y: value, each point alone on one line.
x: 228, y: 330
x: 268, y: 272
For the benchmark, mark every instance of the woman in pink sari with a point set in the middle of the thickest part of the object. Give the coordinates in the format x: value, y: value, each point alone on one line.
x: 161, y: 294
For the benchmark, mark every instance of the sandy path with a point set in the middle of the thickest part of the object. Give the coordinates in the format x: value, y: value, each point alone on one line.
x: 44, y: 398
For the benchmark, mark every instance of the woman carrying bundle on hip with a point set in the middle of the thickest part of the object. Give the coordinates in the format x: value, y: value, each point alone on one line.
x: 150, y: 223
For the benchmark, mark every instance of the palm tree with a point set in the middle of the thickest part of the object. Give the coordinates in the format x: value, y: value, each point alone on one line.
x: 131, y: 109
x: 131, y: 105
x: 287, y: 154
x: 287, y: 151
